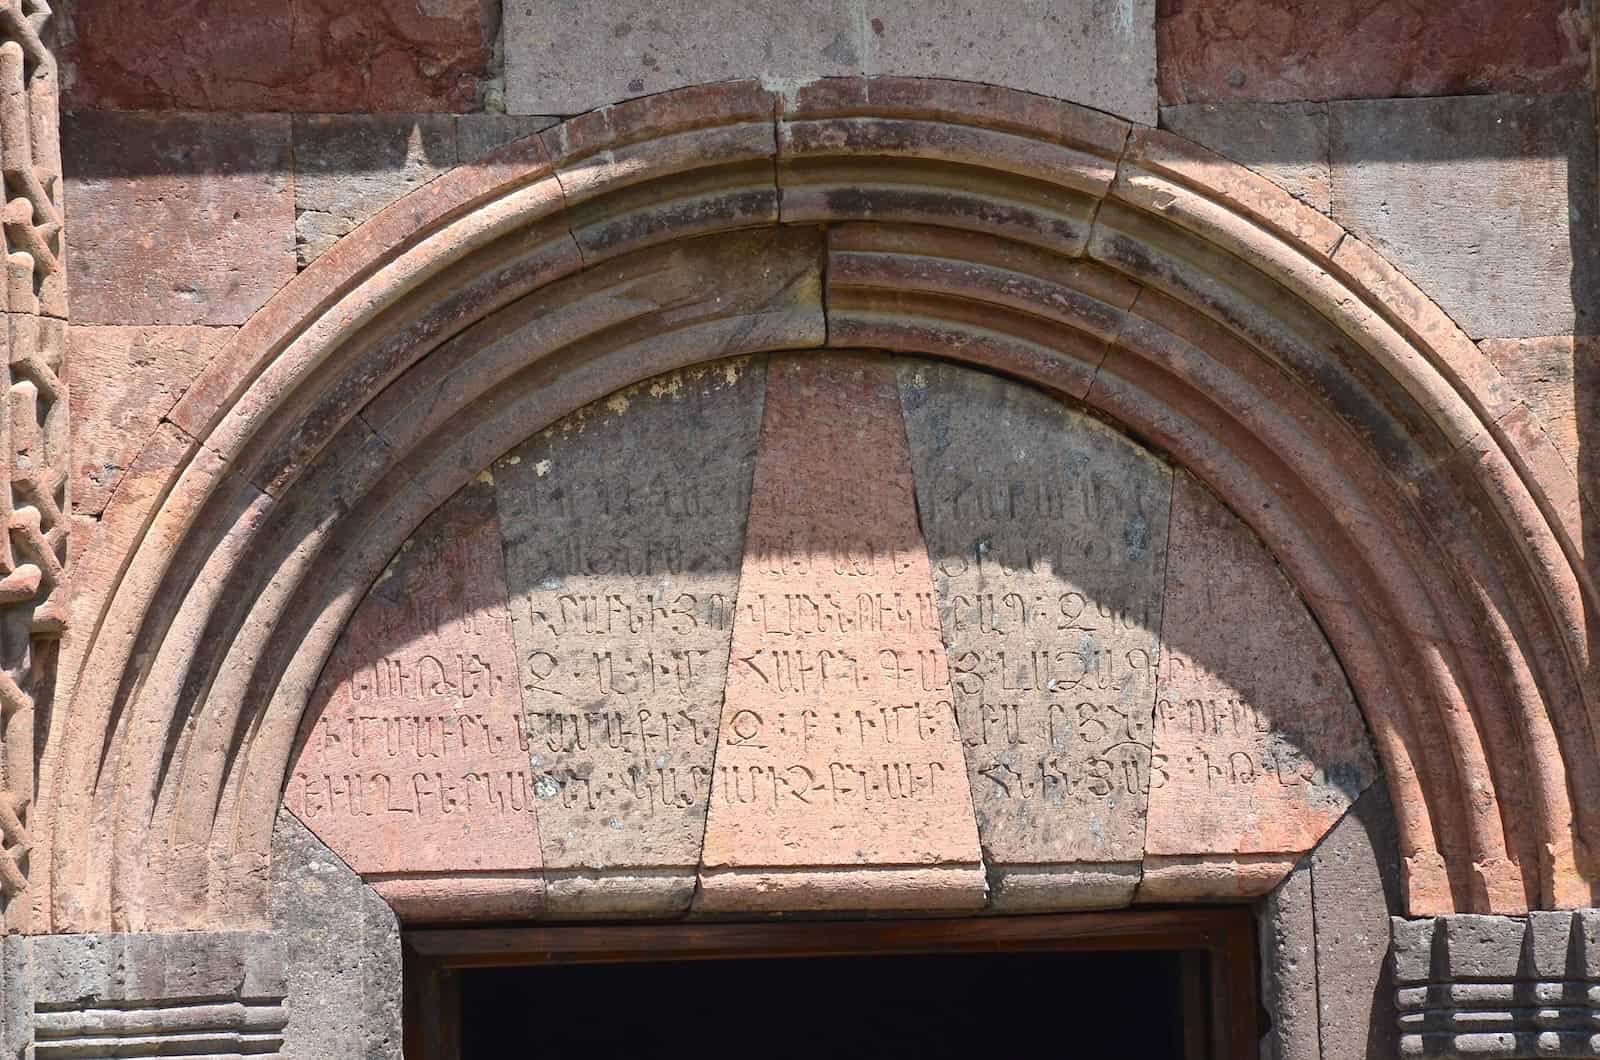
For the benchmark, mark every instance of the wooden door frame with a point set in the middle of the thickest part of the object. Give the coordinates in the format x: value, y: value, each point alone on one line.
x: 1218, y: 946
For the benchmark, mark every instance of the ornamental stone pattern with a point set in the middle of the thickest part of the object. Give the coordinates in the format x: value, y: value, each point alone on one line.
x: 33, y: 493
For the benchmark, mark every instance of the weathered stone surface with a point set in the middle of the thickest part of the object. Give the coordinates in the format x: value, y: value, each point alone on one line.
x: 1289, y: 970
x: 134, y: 376
x: 564, y: 61
x: 1355, y: 874
x: 177, y: 219
x: 343, y: 948
x: 412, y: 761
x: 278, y: 55
x: 624, y: 526
x: 1488, y: 203
x: 1558, y: 378
x: 478, y: 134
x: 1224, y: 51
x: 348, y: 167
x: 1100, y: 55
x: 1048, y: 533
x: 839, y: 781
x: 105, y: 994
x: 1259, y: 747
x: 1285, y: 142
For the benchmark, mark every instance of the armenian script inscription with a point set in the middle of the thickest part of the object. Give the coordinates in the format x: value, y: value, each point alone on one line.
x: 830, y: 631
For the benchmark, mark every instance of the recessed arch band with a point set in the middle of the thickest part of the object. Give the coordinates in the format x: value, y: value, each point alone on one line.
x: 1426, y: 520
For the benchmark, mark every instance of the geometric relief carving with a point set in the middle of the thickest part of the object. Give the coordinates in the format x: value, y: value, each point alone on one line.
x: 623, y: 527
x: 34, y: 433
x: 1048, y: 532
x: 827, y: 631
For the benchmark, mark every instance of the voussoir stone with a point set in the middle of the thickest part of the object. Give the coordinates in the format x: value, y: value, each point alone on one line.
x: 1048, y: 536
x: 177, y: 219
x: 412, y: 762
x: 139, y: 374
x: 839, y: 782
x: 624, y: 527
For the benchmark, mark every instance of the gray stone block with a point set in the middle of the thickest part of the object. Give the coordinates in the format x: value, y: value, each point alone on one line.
x: 478, y: 134
x: 1285, y: 142
x: 1411, y: 949
x: 1098, y: 54
x: 1355, y: 880
x: 1487, y: 202
x: 1289, y: 970
x: 343, y: 946
x: 1483, y: 947
x: 563, y: 59
x: 350, y: 166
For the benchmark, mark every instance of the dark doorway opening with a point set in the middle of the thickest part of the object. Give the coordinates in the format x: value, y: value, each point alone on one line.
x: 921, y: 1007
x: 1153, y: 985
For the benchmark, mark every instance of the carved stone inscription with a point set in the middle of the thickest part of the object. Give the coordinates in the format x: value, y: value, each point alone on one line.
x: 1048, y: 537
x: 414, y: 759
x: 838, y: 777
x: 1259, y: 739
x: 624, y: 528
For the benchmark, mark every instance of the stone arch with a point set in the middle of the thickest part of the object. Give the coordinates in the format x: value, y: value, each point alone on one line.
x: 1302, y: 378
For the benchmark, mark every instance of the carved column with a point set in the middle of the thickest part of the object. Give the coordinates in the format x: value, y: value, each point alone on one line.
x: 1499, y: 986
x: 33, y: 427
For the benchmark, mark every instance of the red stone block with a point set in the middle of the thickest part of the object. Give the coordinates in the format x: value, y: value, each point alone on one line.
x: 1233, y: 51
x: 278, y: 55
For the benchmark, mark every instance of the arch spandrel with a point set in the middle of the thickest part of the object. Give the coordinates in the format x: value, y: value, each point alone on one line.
x: 1447, y: 584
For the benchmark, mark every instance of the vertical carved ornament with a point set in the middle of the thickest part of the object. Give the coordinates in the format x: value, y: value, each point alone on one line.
x: 33, y: 426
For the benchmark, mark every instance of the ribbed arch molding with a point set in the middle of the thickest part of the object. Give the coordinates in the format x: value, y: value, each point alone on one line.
x: 1309, y: 384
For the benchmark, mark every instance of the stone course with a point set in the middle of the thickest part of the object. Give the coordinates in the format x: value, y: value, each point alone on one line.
x: 135, y: 179
x: 139, y: 374
x: 279, y: 55
x: 1285, y: 142
x: 1486, y: 203
x: 561, y: 61
x: 1233, y: 51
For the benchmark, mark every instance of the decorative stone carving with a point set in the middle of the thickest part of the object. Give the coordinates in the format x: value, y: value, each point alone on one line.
x: 1472, y: 986
x: 34, y: 434
x: 99, y: 995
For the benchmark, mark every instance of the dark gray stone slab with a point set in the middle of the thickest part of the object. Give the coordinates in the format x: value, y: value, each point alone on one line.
x: 1356, y: 883
x: 1289, y: 970
x: 624, y: 529
x: 1047, y: 533
x: 343, y: 948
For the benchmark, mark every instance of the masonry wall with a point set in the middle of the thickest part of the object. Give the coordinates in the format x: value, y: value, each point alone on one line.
x: 215, y: 148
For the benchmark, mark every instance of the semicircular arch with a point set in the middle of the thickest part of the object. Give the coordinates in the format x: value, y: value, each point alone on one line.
x: 1341, y: 414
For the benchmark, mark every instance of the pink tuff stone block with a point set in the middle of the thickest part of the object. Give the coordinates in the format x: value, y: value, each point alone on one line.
x: 340, y: 56
x: 413, y: 758
x: 839, y: 781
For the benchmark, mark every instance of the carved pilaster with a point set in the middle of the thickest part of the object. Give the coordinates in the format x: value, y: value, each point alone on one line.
x: 34, y: 432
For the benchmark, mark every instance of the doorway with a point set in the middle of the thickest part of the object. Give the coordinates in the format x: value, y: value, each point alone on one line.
x: 1158, y: 984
